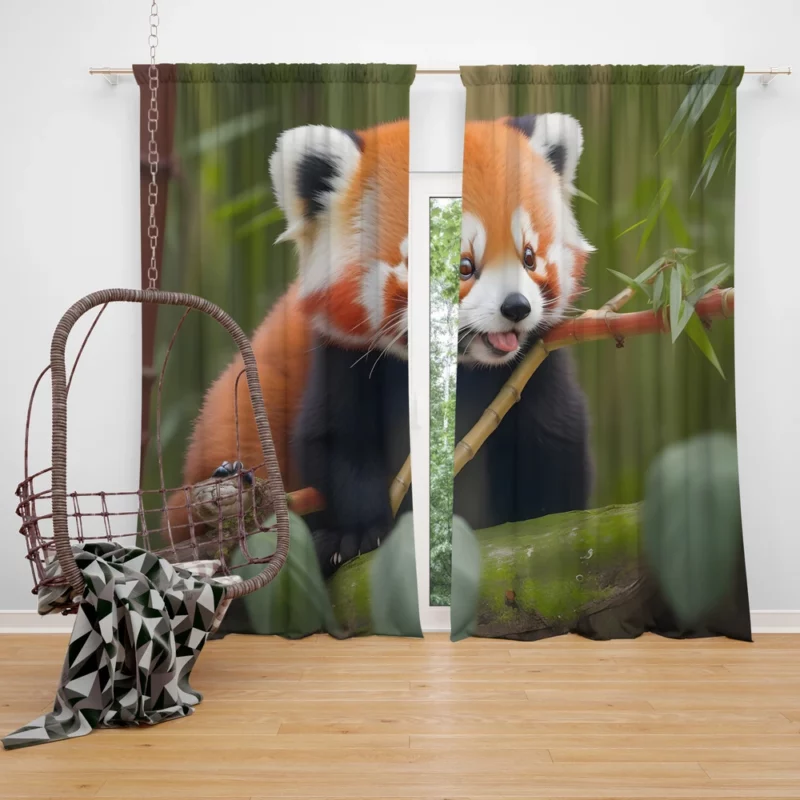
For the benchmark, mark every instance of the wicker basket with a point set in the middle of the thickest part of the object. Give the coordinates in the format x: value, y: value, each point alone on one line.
x: 53, y: 519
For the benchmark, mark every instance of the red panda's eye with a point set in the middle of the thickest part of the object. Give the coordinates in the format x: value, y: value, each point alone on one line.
x: 466, y: 267
x: 529, y: 257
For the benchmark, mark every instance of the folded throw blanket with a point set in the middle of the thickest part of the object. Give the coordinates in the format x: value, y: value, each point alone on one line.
x: 140, y: 627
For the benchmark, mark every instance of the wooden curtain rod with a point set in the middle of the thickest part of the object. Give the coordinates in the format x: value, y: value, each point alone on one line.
x: 766, y: 74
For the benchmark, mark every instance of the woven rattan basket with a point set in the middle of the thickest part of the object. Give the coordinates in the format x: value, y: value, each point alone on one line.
x: 53, y: 519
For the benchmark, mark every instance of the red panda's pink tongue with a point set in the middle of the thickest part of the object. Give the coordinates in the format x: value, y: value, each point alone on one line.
x: 507, y: 342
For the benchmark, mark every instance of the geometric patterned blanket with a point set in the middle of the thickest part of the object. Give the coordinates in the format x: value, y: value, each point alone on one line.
x: 140, y: 627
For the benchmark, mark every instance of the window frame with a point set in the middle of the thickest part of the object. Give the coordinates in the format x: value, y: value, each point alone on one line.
x: 423, y: 186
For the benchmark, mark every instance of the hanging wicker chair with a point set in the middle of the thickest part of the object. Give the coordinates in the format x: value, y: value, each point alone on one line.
x: 53, y: 520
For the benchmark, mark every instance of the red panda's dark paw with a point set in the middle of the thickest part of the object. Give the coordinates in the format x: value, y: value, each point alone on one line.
x: 328, y: 543
x: 335, y: 548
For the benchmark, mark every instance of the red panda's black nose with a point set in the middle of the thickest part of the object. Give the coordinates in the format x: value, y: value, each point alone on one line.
x: 515, y: 307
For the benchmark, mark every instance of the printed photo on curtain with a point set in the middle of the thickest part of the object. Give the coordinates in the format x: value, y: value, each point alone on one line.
x: 285, y: 202
x: 596, y: 462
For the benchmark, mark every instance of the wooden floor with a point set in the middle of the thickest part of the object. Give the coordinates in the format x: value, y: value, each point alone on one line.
x: 395, y: 718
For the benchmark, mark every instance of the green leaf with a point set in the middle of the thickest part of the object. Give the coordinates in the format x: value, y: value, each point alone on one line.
x: 632, y: 228
x: 393, y: 583
x: 691, y: 525
x: 295, y: 603
x: 648, y: 273
x: 258, y: 222
x: 724, y: 119
x: 242, y: 202
x: 710, y: 270
x: 466, y: 579
x: 579, y: 193
x: 706, y: 93
x: 225, y: 133
x: 630, y: 282
x: 658, y: 291
x: 694, y: 104
x: 687, y: 309
x: 652, y: 214
x: 708, y: 170
x: 682, y: 251
x: 675, y: 300
x: 709, y: 285
x: 677, y: 227
x: 697, y: 333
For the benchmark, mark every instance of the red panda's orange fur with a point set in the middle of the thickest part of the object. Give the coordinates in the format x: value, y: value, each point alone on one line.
x: 282, y: 343
x: 281, y: 346
x: 498, y: 159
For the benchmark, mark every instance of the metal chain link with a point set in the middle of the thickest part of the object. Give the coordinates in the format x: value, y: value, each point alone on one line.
x: 152, y: 148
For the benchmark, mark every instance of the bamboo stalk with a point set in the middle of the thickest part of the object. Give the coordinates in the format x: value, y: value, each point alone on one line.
x: 594, y: 325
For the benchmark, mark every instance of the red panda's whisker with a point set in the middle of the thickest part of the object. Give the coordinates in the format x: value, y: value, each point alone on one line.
x: 383, y: 352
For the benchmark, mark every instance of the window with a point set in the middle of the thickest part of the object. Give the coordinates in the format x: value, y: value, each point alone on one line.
x: 434, y: 248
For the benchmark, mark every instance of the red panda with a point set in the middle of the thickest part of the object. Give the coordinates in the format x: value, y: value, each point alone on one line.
x: 344, y: 196
x: 332, y: 352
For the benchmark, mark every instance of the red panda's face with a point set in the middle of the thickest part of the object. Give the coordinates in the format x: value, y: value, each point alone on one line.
x: 522, y: 255
x: 344, y: 195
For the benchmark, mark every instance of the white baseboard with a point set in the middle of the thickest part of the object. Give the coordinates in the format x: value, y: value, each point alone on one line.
x: 775, y: 621
x: 31, y: 622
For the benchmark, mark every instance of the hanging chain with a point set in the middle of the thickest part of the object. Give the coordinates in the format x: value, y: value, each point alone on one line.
x: 152, y: 149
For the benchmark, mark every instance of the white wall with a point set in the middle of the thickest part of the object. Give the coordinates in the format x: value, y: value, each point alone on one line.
x: 69, y: 209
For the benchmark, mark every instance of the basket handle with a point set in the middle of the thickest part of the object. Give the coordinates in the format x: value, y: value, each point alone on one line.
x: 64, y: 553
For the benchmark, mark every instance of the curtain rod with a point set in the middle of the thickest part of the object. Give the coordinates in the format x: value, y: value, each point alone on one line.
x: 766, y: 74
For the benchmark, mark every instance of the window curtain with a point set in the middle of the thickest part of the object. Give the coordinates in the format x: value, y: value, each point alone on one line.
x: 283, y: 198
x: 600, y: 488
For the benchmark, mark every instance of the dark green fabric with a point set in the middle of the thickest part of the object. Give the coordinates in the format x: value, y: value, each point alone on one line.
x: 616, y: 74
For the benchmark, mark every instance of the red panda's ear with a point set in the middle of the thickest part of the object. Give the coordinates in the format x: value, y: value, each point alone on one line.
x: 557, y: 137
x: 308, y: 167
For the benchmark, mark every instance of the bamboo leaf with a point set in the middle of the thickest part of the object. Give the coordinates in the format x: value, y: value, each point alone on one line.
x: 697, y: 333
x: 709, y: 285
x: 708, y: 91
x: 730, y: 152
x: 708, y: 170
x: 645, y: 276
x: 258, y: 222
x: 675, y: 299
x: 694, y: 104
x: 658, y: 291
x: 677, y: 227
x: 680, y: 116
x: 630, y: 282
x: 632, y: 228
x: 687, y: 310
x: 655, y: 210
x: 722, y: 124
x: 242, y: 202
x: 225, y: 133
x: 710, y: 270
x: 579, y: 193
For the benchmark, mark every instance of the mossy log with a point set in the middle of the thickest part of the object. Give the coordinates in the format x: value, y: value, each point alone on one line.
x: 547, y: 573
x: 540, y: 575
